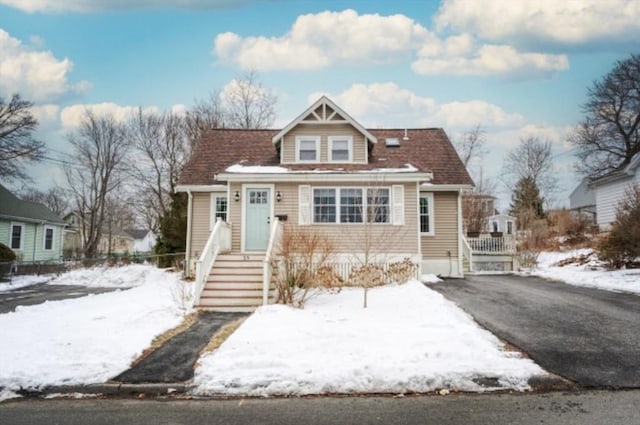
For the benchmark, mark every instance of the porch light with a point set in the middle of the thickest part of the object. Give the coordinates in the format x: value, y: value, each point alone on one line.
x: 236, y: 196
x: 278, y: 196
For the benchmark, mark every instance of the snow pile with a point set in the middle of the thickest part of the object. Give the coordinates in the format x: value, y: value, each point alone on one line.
x: 410, y: 338
x: 89, y: 339
x: 430, y: 278
x: 587, y: 272
x: 18, y: 282
x: 112, y: 277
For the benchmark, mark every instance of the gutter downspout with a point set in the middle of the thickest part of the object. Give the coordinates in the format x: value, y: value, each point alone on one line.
x: 189, y: 225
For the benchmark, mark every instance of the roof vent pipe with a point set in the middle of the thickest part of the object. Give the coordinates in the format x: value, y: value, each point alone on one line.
x: 406, y: 136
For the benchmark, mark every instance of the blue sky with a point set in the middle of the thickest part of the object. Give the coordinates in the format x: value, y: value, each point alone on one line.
x: 517, y: 68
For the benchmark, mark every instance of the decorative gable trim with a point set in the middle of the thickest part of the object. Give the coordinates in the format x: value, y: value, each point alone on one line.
x: 324, y: 111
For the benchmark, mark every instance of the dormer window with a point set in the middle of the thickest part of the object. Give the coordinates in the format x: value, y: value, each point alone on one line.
x: 307, y: 148
x: 340, y: 149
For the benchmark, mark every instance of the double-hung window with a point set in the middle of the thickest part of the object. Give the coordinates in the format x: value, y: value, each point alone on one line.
x: 48, y: 238
x: 340, y: 149
x: 426, y: 214
x: 17, y: 236
x: 378, y: 205
x: 351, y: 205
x: 219, y: 208
x: 307, y: 149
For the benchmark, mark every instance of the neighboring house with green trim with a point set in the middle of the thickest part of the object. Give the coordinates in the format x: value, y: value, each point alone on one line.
x: 31, y: 230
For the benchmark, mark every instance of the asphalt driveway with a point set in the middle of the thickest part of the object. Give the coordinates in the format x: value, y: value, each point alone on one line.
x: 41, y: 292
x: 586, y: 335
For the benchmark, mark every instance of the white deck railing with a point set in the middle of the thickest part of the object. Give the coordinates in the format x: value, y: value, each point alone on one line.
x: 274, y: 240
x: 219, y: 240
x: 505, y: 245
x: 467, y: 252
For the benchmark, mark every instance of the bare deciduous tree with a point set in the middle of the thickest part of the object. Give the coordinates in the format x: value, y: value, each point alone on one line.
x: 471, y: 146
x: 17, y: 143
x: 609, y: 135
x: 55, y: 198
x: 162, y: 146
x: 248, y: 104
x: 531, y: 160
x: 205, y: 114
x: 99, y: 150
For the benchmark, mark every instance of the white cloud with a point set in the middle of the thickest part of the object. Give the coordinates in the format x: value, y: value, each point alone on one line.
x: 36, y: 74
x: 570, y: 22
x: 72, y: 116
x: 45, y: 113
x: 318, y: 40
x: 87, y: 6
x: 460, y: 55
x: 473, y: 112
x: 387, y: 104
x: 382, y: 104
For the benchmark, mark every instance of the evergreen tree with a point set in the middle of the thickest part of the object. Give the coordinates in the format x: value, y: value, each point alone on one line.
x: 526, y: 202
x: 173, y: 230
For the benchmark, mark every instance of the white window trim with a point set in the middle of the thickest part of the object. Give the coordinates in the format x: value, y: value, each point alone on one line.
x: 22, y: 235
x: 212, y: 209
x: 299, y: 140
x: 364, y: 206
x: 432, y: 230
x: 333, y: 139
x: 53, y: 239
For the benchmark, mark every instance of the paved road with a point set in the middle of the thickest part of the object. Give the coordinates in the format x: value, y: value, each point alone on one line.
x: 37, y: 294
x: 586, y: 335
x: 591, y: 408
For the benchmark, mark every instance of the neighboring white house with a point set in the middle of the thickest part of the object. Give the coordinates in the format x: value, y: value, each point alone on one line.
x: 611, y: 189
x: 583, y: 200
x: 143, y: 240
x: 501, y: 223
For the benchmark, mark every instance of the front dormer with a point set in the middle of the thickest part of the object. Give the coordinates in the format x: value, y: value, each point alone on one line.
x: 324, y: 134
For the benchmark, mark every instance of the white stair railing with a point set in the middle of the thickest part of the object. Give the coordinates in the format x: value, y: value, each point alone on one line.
x: 274, y: 239
x: 219, y: 241
x: 467, y: 252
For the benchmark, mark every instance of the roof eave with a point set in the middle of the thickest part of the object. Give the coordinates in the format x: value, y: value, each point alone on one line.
x: 330, y: 176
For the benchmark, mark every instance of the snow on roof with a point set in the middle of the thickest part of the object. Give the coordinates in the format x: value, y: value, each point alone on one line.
x: 270, y: 169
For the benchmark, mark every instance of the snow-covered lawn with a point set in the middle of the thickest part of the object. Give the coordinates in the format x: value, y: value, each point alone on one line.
x: 89, y: 339
x: 591, y: 273
x: 409, y: 339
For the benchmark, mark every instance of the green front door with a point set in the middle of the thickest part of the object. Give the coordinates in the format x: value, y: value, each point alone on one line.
x: 257, y: 218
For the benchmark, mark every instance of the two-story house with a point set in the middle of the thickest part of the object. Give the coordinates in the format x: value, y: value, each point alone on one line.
x: 326, y: 173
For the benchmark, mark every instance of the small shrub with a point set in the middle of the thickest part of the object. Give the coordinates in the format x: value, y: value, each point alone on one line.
x: 301, y: 253
x: 621, y: 247
x: 367, y: 276
x: 401, y: 271
x: 326, y: 277
x: 6, y: 254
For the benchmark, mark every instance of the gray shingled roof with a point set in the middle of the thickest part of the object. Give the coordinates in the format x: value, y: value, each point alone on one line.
x: 14, y: 208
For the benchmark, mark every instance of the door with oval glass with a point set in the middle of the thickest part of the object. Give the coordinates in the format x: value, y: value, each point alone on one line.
x: 257, y: 218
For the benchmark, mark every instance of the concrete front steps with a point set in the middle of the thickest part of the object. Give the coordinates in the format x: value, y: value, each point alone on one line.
x: 234, y: 284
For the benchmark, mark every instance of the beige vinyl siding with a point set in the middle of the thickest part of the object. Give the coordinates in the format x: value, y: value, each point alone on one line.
x: 350, y: 238
x: 201, y: 210
x: 234, y: 215
x: 445, y: 206
x: 288, y: 154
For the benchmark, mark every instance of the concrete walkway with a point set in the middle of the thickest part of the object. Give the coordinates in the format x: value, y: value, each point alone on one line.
x: 173, y: 362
